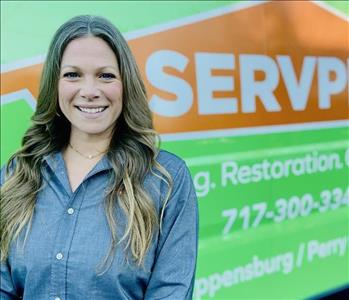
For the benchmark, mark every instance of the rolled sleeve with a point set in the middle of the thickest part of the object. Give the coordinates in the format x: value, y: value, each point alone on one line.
x: 173, y: 273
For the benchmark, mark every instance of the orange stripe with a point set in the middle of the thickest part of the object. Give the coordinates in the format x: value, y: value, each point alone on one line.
x: 26, y: 78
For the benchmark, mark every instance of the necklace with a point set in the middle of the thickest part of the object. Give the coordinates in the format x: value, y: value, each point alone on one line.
x: 86, y: 156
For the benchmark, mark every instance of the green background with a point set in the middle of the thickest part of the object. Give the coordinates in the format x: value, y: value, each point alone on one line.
x: 26, y: 29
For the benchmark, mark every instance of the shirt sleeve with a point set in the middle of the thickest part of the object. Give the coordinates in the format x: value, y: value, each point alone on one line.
x: 7, y: 289
x: 173, y: 273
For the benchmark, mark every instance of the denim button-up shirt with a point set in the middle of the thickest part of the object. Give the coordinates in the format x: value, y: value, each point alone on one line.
x: 70, y: 237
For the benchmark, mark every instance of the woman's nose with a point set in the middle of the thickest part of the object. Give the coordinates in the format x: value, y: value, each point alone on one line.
x: 89, y: 90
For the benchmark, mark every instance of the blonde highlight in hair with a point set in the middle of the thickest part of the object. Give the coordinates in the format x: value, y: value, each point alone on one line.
x: 132, y: 152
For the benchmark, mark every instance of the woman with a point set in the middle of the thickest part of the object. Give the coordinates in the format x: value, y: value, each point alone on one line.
x: 90, y: 208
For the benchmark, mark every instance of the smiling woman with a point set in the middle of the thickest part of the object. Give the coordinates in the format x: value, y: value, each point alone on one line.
x: 90, y: 87
x: 106, y: 213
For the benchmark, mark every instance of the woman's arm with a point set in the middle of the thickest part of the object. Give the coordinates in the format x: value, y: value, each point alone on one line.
x: 174, y: 269
x: 7, y: 289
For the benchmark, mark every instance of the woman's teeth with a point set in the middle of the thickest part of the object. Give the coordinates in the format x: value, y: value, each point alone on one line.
x: 93, y: 110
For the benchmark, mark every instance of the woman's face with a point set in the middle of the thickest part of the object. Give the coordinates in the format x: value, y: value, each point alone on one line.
x: 90, y: 88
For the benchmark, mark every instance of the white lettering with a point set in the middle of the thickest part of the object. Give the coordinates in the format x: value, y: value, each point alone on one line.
x: 158, y: 78
x: 207, y: 84
x: 298, y: 92
x: 317, y: 249
x: 328, y: 87
x: 229, y: 170
x: 264, y: 89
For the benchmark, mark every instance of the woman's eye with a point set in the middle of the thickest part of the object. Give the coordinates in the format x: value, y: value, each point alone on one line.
x: 107, y: 76
x: 71, y: 75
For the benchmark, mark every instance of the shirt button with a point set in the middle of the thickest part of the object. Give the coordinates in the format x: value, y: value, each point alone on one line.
x: 57, y: 298
x: 70, y: 211
x: 59, y: 256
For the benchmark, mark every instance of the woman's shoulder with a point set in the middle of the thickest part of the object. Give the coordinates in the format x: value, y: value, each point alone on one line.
x: 2, y: 174
x: 170, y: 161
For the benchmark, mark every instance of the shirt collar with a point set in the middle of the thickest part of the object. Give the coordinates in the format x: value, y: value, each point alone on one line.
x: 55, y: 161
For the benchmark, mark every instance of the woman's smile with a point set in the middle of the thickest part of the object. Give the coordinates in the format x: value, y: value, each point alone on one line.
x: 92, y: 110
